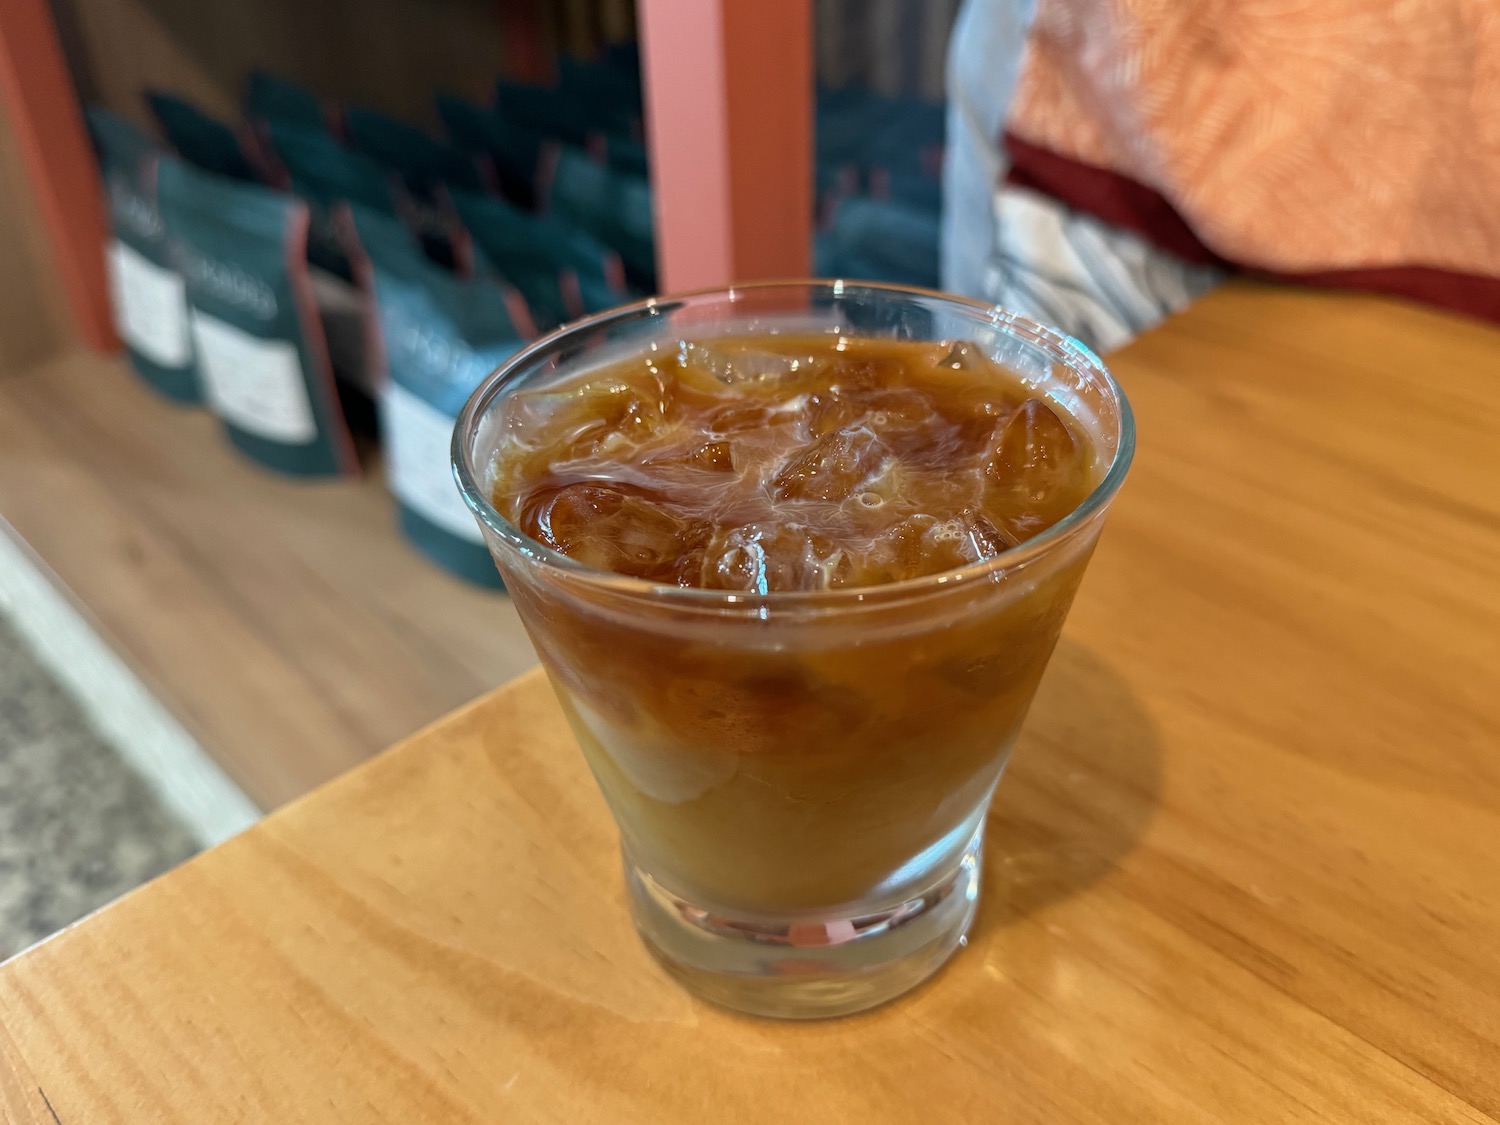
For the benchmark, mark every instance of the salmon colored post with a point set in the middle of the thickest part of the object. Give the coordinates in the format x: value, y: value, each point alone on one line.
x: 729, y: 89
x: 43, y: 111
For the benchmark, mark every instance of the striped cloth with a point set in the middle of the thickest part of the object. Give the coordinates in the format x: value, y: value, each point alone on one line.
x: 1021, y: 248
x: 1150, y: 145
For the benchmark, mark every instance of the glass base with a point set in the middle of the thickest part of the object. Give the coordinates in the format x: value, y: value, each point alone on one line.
x: 806, y: 968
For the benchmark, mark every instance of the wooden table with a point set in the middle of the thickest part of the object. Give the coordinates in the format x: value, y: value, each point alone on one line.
x: 1245, y: 867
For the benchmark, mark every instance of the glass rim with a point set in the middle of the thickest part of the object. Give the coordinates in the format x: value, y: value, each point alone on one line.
x: 1065, y: 348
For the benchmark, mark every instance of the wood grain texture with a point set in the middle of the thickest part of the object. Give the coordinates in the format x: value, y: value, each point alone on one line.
x: 1242, y: 867
x: 284, y: 621
x: 21, y: 1099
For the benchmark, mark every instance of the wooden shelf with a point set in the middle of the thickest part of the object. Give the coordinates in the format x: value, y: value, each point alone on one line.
x: 285, y: 622
x: 728, y: 88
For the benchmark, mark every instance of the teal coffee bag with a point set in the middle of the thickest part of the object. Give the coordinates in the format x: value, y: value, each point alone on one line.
x: 150, y: 302
x: 325, y: 174
x: 546, y: 110
x: 609, y: 93
x: 563, y: 272
x: 613, y: 206
x: 511, y: 150
x: 262, y: 361
x: 427, y: 170
x: 439, y: 335
x: 274, y: 100
x: 200, y: 139
x: 423, y: 162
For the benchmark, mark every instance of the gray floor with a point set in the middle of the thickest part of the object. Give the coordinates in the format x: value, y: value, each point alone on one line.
x: 78, y: 827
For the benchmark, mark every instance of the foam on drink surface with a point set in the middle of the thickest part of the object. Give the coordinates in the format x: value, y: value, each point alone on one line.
x: 768, y: 463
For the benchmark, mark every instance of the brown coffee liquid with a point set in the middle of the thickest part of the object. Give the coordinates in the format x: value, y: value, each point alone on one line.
x: 768, y: 463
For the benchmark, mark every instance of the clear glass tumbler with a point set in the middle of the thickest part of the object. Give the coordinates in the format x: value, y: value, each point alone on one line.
x: 801, y: 779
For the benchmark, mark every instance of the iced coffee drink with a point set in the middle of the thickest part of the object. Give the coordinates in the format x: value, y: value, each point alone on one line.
x: 767, y: 573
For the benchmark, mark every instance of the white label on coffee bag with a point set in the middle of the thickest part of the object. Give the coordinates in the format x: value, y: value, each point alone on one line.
x: 417, y: 439
x: 255, y: 384
x: 150, y: 306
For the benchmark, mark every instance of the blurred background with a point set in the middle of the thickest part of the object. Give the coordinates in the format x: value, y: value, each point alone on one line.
x: 232, y: 563
x: 255, y: 254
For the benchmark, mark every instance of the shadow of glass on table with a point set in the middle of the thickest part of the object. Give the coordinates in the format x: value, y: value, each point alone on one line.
x: 1077, y: 795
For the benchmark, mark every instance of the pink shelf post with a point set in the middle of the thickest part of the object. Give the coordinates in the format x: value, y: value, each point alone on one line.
x: 729, y: 88
x: 44, y: 114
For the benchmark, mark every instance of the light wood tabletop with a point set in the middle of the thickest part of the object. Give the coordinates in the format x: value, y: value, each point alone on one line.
x: 1245, y: 865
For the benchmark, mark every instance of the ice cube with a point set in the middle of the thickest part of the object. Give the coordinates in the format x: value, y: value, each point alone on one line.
x: 829, y: 410
x: 737, y: 417
x: 737, y: 561
x: 918, y: 545
x: 980, y: 538
x: 856, y: 372
x: 902, y: 549
x: 1034, y: 454
x: 958, y: 355
x: 598, y: 416
x: 831, y: 468
x: 1035, y: 473
x: 922, y: 544
x: 710, y: 456
x: 531, y: 415
x: 975, y: 426
x: 613, y: 527
x: 741, y: 366
x: 636, y: 408
x: 910, y: 425
x: 713, y: 456
x: 764, y: 558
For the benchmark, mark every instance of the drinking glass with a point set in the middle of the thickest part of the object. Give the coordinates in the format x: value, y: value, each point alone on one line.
x: 800, y: 779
